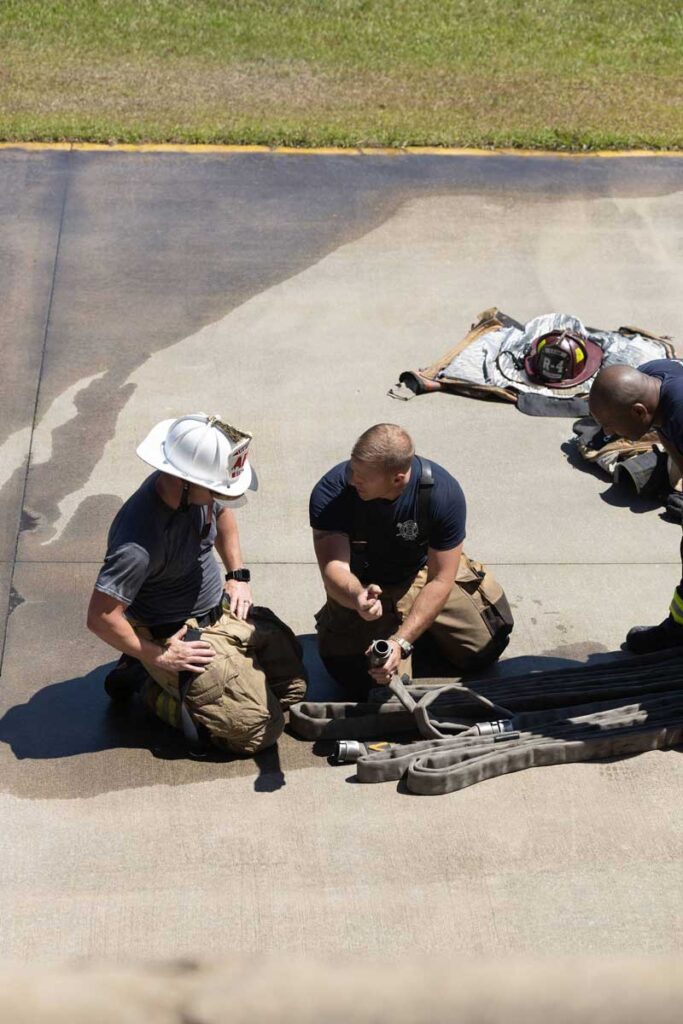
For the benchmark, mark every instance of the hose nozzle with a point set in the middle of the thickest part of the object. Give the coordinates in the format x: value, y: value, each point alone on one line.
x: 379, y: 652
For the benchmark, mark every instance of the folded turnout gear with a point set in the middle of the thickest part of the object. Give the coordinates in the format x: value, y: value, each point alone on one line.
x: 646, y: 473
x: 642, y: 466
x: 555, y: 356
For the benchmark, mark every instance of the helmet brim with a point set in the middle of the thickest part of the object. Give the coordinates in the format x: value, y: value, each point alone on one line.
x: 594, y: 358
x: 151, y: 451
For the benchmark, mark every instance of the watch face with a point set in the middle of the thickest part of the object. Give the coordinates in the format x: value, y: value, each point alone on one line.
x: 241, y: 575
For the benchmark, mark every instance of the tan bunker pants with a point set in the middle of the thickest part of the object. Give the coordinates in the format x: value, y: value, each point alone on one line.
x: 471, y: 630
x: 239, y: 699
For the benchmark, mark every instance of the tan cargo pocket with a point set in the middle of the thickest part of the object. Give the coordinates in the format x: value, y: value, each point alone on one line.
x: 488, y: 595
x: 207, y: 687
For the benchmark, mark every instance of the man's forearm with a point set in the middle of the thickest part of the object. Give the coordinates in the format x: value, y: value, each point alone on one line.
x: 341, y: 584
x: 425, y: 609
x: 119, y: 634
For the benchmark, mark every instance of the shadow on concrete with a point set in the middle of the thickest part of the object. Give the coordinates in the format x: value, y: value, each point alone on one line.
x: 566, y: 656
x: 69, y: 720
x: 616, y: 496
x: 75, y: 718
x: 622, y: 497
x: 321, y: 685
x: 570, y: 448
x: 271, y: 776
x: 429, y: 665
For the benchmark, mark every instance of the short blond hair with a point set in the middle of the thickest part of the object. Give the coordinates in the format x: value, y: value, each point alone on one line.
x: 386, y: 446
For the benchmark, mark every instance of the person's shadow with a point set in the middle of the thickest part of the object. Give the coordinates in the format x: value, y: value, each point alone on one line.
x: 75, y: 717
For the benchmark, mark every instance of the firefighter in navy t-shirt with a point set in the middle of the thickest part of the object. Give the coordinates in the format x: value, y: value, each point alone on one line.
x: 388, y: 529
x: 629, y: 402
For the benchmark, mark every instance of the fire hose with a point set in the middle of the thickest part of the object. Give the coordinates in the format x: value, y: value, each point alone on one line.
x: 543, y: 718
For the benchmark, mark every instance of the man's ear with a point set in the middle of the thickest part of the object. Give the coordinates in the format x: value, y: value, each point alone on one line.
x: 640, y: 412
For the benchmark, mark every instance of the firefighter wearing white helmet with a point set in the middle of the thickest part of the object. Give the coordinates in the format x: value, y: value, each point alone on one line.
x: 201, y: 450
x: 161, y: 600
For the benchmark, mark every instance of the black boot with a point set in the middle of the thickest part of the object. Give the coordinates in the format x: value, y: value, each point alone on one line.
x: 125, y: 679
x: 647, y: 639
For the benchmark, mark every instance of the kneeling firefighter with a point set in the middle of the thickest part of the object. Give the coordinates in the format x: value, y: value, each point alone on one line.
x: 207, y: 660
x: 630, y: 403
x: 388, y: 530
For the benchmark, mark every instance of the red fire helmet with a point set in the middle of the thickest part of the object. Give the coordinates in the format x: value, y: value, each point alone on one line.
x: 562, y: 359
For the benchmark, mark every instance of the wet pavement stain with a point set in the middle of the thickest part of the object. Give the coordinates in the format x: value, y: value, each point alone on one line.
x: 29, y: 521
x: 227, y: 228
x: 15, y: 600
x: 583, y: 652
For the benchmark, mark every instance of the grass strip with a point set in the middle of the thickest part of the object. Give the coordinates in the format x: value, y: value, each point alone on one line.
x: 550, y: 74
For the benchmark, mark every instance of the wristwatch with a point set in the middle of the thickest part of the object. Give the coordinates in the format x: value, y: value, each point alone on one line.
x: 241, y: 575
x: 406, y: 647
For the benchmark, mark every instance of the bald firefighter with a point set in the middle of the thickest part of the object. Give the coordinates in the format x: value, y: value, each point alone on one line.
x: 629, y: 403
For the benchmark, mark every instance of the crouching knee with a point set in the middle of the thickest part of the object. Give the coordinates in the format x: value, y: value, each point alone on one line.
x: 291, y: 691
x: 476, y: 651
x: 251, y: 730
x: 486, y: 655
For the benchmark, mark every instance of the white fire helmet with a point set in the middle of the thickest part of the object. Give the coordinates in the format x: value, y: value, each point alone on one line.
x: 203, y: 450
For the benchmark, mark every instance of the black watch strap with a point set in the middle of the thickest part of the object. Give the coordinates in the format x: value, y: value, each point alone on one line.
x: 241, y: 575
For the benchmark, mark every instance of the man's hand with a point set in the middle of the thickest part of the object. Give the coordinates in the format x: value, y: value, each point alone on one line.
x: 179, y: 656
x: 239, y: 596
x: 368, y: 604
x: 384, y: 673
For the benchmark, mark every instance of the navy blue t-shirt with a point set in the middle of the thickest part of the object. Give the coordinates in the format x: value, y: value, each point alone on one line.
x: 392, y: 554
x: 670, y: 408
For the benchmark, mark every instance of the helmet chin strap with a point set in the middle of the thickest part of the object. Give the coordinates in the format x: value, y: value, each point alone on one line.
x: 184, y: 508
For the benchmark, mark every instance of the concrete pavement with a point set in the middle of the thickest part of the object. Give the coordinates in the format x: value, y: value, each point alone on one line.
x: 288, y: 292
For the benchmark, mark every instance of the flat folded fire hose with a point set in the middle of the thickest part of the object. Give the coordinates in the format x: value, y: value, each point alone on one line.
x: 555, y: 717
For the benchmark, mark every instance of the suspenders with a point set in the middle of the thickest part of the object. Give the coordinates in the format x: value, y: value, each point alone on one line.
x: 359, y: 529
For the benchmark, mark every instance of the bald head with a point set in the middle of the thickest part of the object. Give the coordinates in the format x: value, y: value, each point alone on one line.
x: 624, y: 401
x: 619, y: 386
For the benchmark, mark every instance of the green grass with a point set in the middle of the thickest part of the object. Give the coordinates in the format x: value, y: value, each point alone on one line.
x: 558, y: 74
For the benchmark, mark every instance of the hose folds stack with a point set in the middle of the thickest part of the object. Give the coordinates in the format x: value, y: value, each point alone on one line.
x: 467, y: 735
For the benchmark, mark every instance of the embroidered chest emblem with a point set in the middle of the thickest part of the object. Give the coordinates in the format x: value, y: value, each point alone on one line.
x: 407, y: 530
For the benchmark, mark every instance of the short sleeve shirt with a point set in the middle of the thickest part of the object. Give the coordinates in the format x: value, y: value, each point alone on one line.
x: 392, y: 555
x: 670, y: 408
x: 158, y: 563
